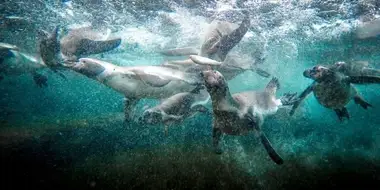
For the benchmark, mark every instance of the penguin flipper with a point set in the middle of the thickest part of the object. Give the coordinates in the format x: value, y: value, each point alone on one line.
x: 270, y: 150
x: 359, y: 100
x: 301, y: 97
x: 272, y: 86
x: 231, y: 40
x: 266, y: 143
x: 262, y: 72
x: 88, y: 47
x: 363, y: 79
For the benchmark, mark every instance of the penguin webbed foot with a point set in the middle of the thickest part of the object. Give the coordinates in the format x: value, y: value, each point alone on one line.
x: 129, y: 105
x: 342, y: 113
x: 289, y: 99
x: 216, y: 137
x: 274, y: 83
x: 359, y: 100
x: 40, y: 80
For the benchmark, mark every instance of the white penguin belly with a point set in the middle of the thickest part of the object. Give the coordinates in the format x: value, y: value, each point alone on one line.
x: 138, y: 89
x: 268, y: 111
x: 174, y: 87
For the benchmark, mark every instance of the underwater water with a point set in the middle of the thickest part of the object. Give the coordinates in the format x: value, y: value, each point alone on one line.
x: 72, y: 134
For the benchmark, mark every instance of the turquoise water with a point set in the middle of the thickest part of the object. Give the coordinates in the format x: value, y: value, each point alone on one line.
x: 71, y: 133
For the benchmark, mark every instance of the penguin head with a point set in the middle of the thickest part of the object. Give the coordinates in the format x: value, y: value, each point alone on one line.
x: 317, y: 72
x: 89, y: 67
x: 214, y: 82
x: 150, y: 116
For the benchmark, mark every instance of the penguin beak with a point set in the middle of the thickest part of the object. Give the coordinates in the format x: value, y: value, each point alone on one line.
x: 205, y: 74
x: 307, y: 73
x: 313, y: 73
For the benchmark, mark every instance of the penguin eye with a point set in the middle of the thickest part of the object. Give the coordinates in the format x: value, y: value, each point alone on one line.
x: 317, y: 68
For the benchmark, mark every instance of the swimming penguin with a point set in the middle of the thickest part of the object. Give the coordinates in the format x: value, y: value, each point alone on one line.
x: 177, y: 108
x: 13, y: 62
x: 137, y: 82
x: 76, y: 44
x: 49, y: 48
x: 219, y: 41
x: 240, y: 113
x: 231, y: 67
x: 334, y: 89
x: 85, y: 41
x: 221, y: 37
